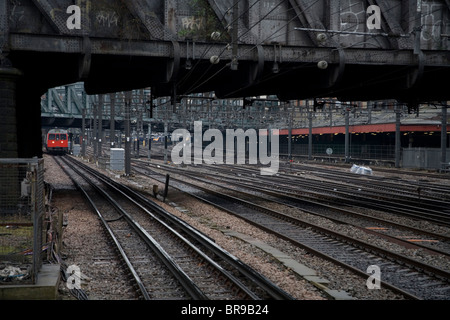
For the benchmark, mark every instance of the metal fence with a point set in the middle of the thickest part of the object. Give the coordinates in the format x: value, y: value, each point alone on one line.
x: 356, y: 151
x: 22, y: 209
x: 424, y: 158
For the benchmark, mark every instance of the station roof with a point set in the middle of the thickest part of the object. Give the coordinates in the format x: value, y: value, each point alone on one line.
x: 367, y: 128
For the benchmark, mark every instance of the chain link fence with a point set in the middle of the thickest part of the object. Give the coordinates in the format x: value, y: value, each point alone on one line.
x: 22, y: 208
x: 424, y: 158
x: 356, y: 151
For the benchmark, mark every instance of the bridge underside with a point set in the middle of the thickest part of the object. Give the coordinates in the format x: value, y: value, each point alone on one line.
x: 291, y: 80
x: 294, y: 49
x: 403, y: 75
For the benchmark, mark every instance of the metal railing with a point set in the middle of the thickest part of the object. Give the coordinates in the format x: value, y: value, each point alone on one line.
x: 356, y: 151
x: 424, y: 158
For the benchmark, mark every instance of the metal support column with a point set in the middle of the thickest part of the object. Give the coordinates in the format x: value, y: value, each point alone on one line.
x: 290, y: 132
x: 165, y: 140
x: 68, y: 99
x: 100, y: 124
x: 234, y: 35
x: 149, y: 141
x: 83, y: 132
x: 112, y: 125
x: 418, y: 27
x: 397, y: 137
x: 95, y: 133
x: 310, y: 136
x: 347, y: 135
x: 444, y: 138
x: 127, y: 133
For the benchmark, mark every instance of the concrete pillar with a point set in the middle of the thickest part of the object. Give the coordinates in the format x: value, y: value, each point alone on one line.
x: 8, y: 103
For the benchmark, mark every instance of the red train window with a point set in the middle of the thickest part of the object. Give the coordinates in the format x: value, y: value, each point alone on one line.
x: 63, y: 136
x: 51, y: 136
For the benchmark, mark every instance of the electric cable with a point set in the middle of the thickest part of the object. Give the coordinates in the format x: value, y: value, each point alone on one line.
x: 192, y: 89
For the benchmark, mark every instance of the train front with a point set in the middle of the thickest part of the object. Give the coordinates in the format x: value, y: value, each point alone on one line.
x: 57, y: 141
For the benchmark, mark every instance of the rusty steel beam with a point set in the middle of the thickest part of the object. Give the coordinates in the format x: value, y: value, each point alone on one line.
x: 121, y: 44
x: 163, y: 49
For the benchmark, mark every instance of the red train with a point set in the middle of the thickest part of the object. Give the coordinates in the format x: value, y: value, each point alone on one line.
x: 57, y: 141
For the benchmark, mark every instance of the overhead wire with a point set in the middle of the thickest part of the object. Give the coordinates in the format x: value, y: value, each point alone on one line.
x: 372, y: 53
x: 207, y: 49
x: 259, y: 21
x: 254, y: 46
x: 377, y: 79
x: 382, y: 78
x: 193, y: 87
x: 276, y: 31
x: 196, y: 85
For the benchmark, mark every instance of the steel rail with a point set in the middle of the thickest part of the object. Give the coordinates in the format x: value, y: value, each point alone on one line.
x: 297, y: 221
x: 343, y: 238
x: 292, y: 198
x: 184, y: 279
x: 274, y: 291
x: 348, y: 190
x: 381, y: 181
x: 404, y: 209
x: 390, y: 171
x: 119, y: 247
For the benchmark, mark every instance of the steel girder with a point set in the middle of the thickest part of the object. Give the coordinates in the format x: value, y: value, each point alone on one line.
x: 167, y: 44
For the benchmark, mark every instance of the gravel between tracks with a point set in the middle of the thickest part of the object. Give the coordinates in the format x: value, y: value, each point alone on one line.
x: 84, y: 245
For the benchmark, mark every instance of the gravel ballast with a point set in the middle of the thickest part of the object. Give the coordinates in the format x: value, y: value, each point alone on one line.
x: 85, y: 245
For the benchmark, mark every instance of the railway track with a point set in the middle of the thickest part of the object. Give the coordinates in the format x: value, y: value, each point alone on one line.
x: 410, y: 277
x: 399, y: 181
x: 167, y: 258
x: 405, y: 196
x: 324, y: 162
x: 352, y: 195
